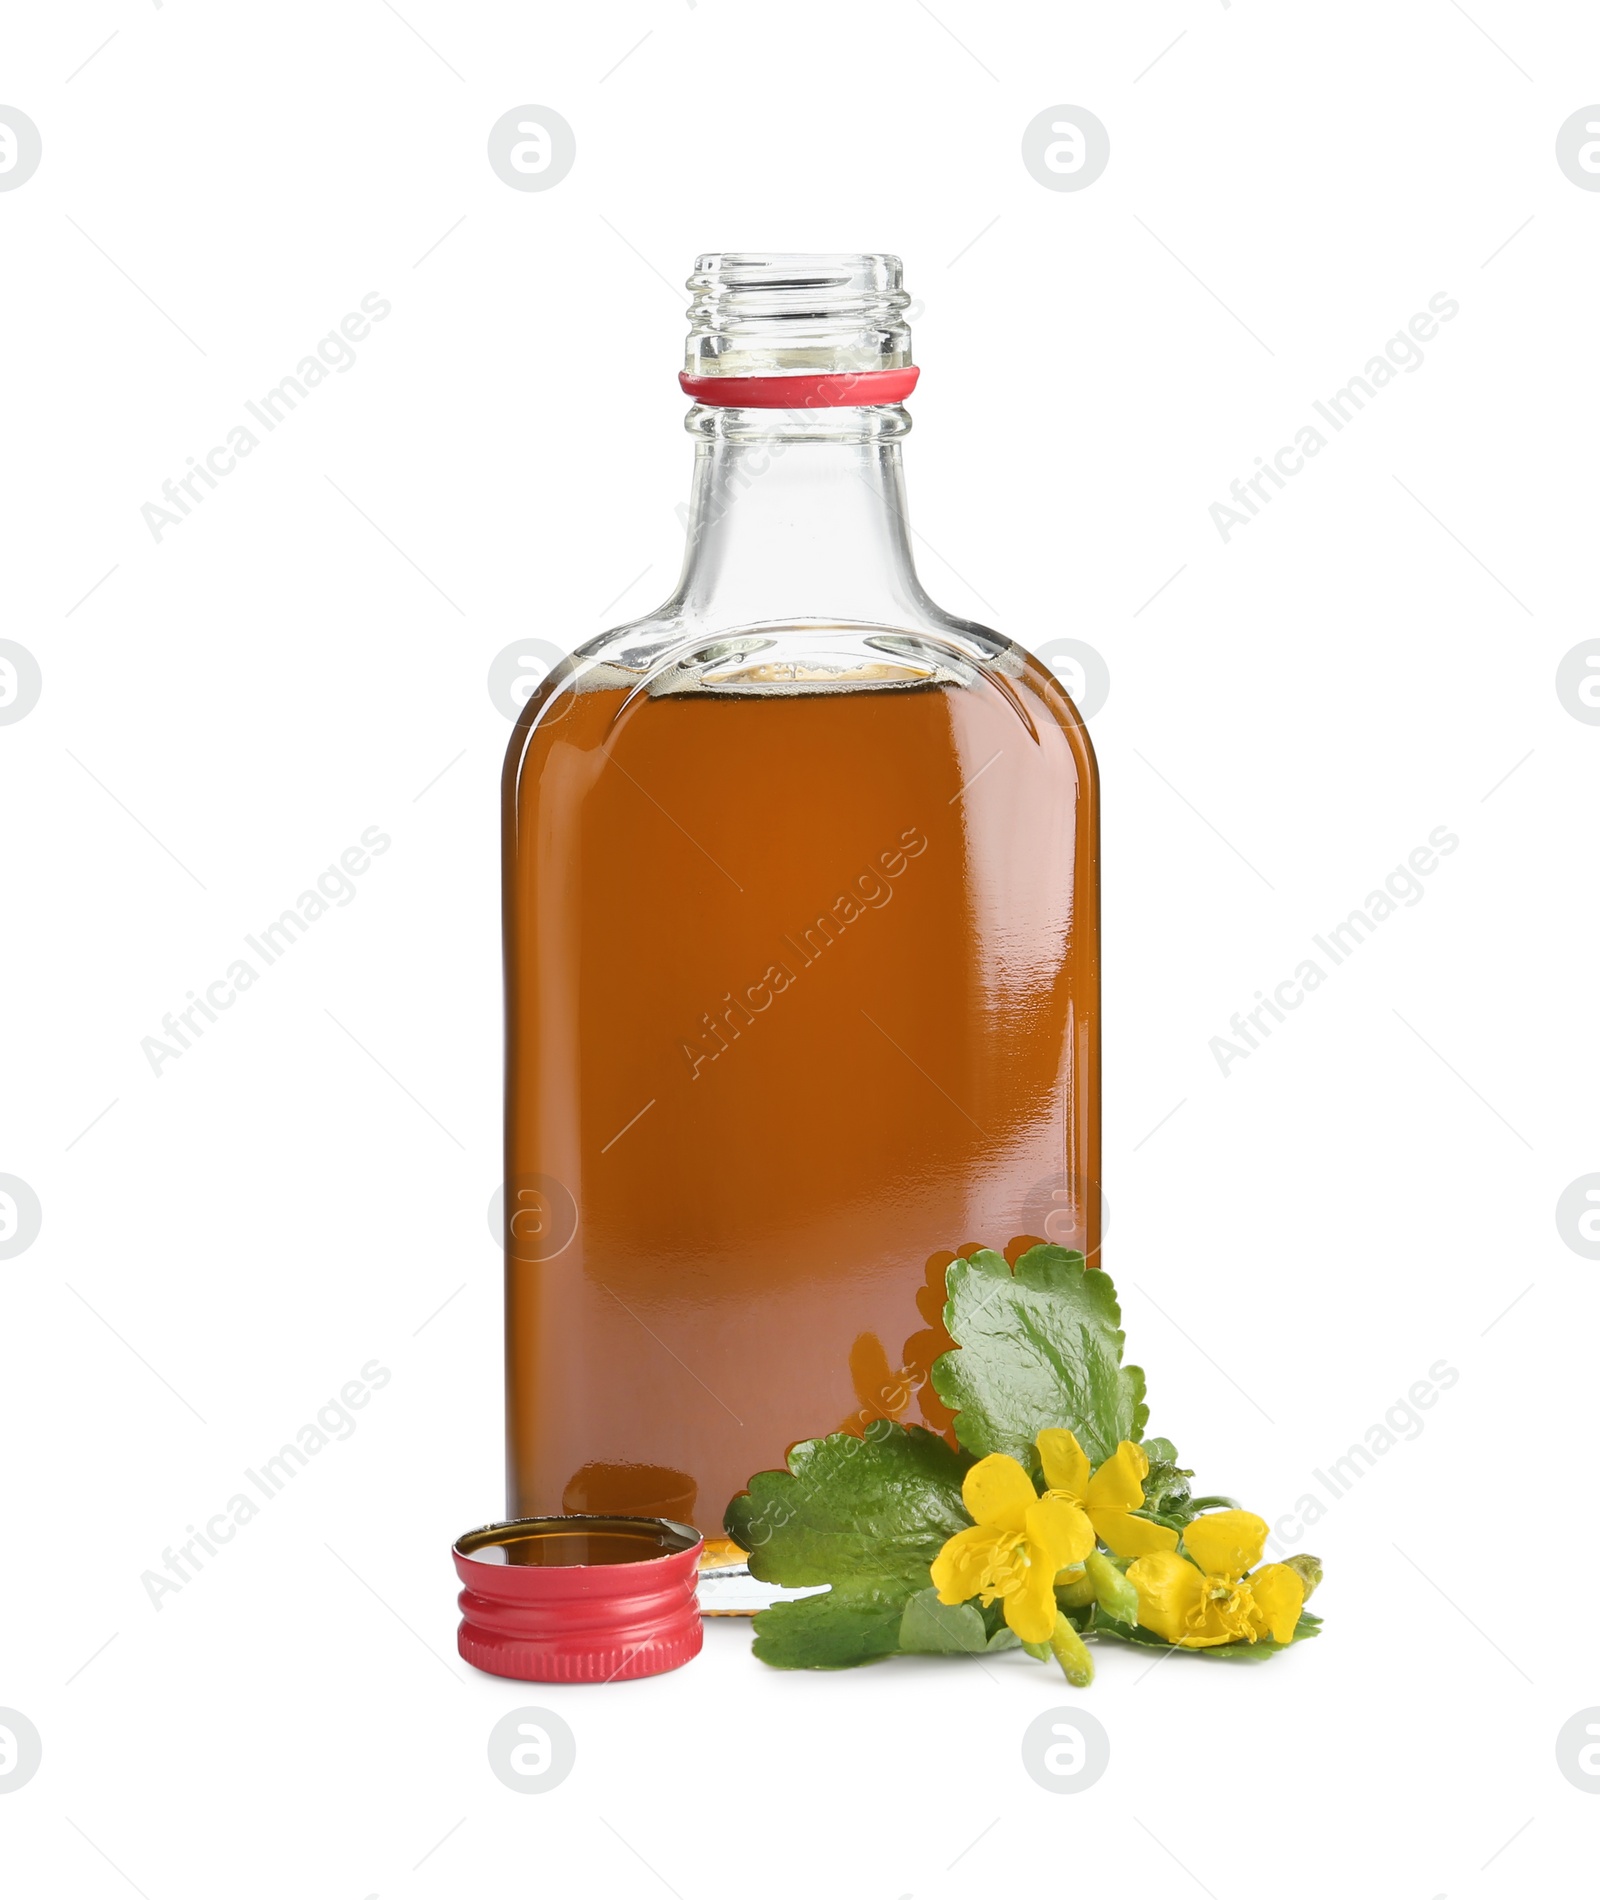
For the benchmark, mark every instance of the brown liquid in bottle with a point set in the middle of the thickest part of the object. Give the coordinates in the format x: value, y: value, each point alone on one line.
x: 802, y: 989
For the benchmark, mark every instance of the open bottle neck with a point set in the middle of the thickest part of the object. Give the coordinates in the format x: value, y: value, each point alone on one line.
x: 798, y: 516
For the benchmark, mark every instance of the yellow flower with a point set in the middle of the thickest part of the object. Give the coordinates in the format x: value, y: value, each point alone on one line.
x: 1213, y: 1595
x: 1017, y: 1544
x: 1107, y: 1499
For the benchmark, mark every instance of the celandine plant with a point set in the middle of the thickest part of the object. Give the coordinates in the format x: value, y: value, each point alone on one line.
x: 1049, y: 1522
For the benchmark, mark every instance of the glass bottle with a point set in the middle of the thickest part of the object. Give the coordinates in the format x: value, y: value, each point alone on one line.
x: 801, y: 941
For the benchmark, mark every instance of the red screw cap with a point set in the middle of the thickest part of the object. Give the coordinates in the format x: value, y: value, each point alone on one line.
x: 579, y: 1599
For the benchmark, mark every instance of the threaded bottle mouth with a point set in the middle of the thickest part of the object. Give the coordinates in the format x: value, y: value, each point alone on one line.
x: 810, y: 313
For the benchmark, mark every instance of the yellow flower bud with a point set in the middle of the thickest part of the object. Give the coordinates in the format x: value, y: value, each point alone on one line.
x: 1307, y: 1569
x: 1070, y: 1650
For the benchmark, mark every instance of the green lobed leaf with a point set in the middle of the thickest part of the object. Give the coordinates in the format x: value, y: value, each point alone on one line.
x: 1037, y: 1346
x: 850, y: 1624
x: 931, y: 1628
x: 866, y: 1516
x: 862, y: 1512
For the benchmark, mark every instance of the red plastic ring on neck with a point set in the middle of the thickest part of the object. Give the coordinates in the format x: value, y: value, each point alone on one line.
x: 857, y: 389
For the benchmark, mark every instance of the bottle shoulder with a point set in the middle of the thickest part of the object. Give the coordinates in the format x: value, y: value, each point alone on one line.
x: 626, y: 673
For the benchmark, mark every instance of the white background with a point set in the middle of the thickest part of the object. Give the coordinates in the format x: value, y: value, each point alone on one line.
x: 1293, y: 712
